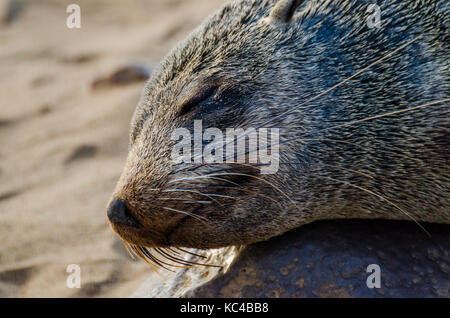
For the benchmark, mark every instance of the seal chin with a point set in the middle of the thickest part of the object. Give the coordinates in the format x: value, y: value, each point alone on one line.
x: 190, y: 234
x: 139, y: 236
x: 175, y: 236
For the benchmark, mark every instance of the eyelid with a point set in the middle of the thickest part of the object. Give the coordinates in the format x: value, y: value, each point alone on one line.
x: 204, y: 93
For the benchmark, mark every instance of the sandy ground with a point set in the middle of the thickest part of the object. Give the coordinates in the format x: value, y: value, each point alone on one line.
x: 63, y: 144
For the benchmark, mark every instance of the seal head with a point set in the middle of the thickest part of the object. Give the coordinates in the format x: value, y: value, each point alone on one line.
x: 373, y: 145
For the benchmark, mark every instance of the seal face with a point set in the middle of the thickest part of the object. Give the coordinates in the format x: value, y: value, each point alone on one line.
x: 362, y: 112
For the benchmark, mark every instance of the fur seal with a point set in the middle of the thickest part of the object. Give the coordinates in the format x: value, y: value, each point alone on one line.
x: 363, y: 116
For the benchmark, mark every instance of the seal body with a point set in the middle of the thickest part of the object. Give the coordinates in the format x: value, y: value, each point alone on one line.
x: 363, y: 114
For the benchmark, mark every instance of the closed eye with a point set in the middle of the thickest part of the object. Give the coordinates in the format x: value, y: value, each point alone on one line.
x: 202, y: 95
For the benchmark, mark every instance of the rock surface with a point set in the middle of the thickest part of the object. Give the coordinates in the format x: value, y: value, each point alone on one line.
x: 330, y: 259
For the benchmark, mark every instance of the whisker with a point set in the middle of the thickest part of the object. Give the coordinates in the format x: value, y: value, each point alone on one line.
x: 172, y: 250
x: 382, y: 198
x: 240, y: 174
x: 222, y: 186
x: 195, y: 216
x: 154, y: 259
x: 351, y: 170
x: 190, y: 168
x: 341, y: 83
x: 169, y: 264
x: 126, y: 245
x: 244, y: 189
x: 258, y: 165
x: 299, y: 138
x: 185, y: 200
x: 333, y: 166
x: 209, y: 195
x: 363, y: 174
x: 138, y: 252
x: 396, y: 112
x: 174, y: 258
x: 177, y: 260
x: 230, y: 168
x: 185, y: 251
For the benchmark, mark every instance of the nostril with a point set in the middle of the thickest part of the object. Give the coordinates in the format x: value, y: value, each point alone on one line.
x: 118, y: 213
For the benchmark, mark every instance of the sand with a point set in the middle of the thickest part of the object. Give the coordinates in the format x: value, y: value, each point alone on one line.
x: 63, y: 144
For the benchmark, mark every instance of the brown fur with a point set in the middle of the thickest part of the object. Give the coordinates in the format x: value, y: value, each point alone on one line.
x: 392, y: 167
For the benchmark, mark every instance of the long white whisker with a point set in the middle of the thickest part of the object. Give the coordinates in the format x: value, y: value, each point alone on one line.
x: 185, y: 200
x: 237, y: 174
x: 382, y: 198
x: 195, y: 216
x: 209, y: 194
x: 387, y: 114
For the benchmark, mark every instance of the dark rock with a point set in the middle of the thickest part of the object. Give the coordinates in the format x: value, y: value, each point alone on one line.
x: 10, y: 10
x: 330, y: 259
x: 6, y: 122
x: 79, y: 58
x: 82, y: 152
x: 123, y: 76
x: 9, y: 195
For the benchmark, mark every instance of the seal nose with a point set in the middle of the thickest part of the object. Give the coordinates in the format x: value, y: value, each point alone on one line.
x: 118, y: 213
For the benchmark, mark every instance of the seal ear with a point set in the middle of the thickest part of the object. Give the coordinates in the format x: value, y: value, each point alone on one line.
x: 284, y: 10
